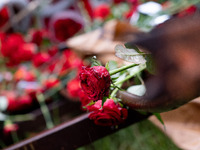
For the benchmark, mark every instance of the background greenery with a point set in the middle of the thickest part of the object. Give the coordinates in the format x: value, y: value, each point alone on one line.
x: 141, y: 136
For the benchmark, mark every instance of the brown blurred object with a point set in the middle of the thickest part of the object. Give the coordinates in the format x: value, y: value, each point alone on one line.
x: 182, y: 125
x: 175, y: 48
x: 101, y: 42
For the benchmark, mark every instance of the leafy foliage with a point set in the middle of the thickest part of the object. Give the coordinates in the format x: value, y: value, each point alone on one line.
x: 95, y: 62
x: 159, y: 118
x: 111, y: 65
x: 137, y: 89
x: 130, y: 55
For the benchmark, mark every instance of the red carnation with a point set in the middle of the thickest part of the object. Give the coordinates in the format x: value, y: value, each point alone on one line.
x: 95, y: 82
x: 110, y: 114
x: 102, y: 11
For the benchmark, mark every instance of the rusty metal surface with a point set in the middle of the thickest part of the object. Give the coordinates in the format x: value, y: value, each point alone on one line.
x: 66, y: 110
x: 73, y: 134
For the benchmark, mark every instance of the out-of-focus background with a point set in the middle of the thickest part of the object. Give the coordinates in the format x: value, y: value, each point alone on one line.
x: 44, y: 44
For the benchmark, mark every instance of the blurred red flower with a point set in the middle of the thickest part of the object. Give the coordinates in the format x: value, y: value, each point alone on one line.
x: 51, y: 83
x: 65, y: 28
x: 133, y: 9
x: 189, y: 11
x: 4, y: 16
x: 88, y: 8
x: 102, y: 11
x: 73, y: 88
x: 8, y: 128
x: 23, y: 74
x: 16, y: 50
x: 17, y: 103
x: 53, y: 50
x: 118, y: 1
x: 26, y: 52
x: 37, y: 36
x: 72, y: 60
x: 67, y: 61
x: 11, y: 44
x: 40, y: 58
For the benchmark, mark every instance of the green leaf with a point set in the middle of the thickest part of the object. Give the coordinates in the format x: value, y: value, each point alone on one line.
x: 132, y: 47
x: 121, y: 77
x: 91, y: 103
x: 130, y: 55
x: 137, y: 80
x: 104, y: 100
x: 46, y: 42
x: 114, y: 78
x: 137, y: 90
x: 151, y: 67
x: 111, y: 65
x: 120, y: 104
x: 136, y: 69
x: 107, y: 66
x: 95, y: 62
x: 119, y: 10
x: 117, y: 87
x: 157, y: 115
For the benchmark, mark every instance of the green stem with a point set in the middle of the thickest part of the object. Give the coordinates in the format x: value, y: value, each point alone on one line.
x: 115, y: 91
x: 14, y: 137
x: 2, y: 144
x: 119, y: 83
x: 23, y: 117
x: 130, y: 76
x: 45, y: 110
x: 139, y: 77
x: 56, y: 117
x: 112, y: 72
x: 53, y: 91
